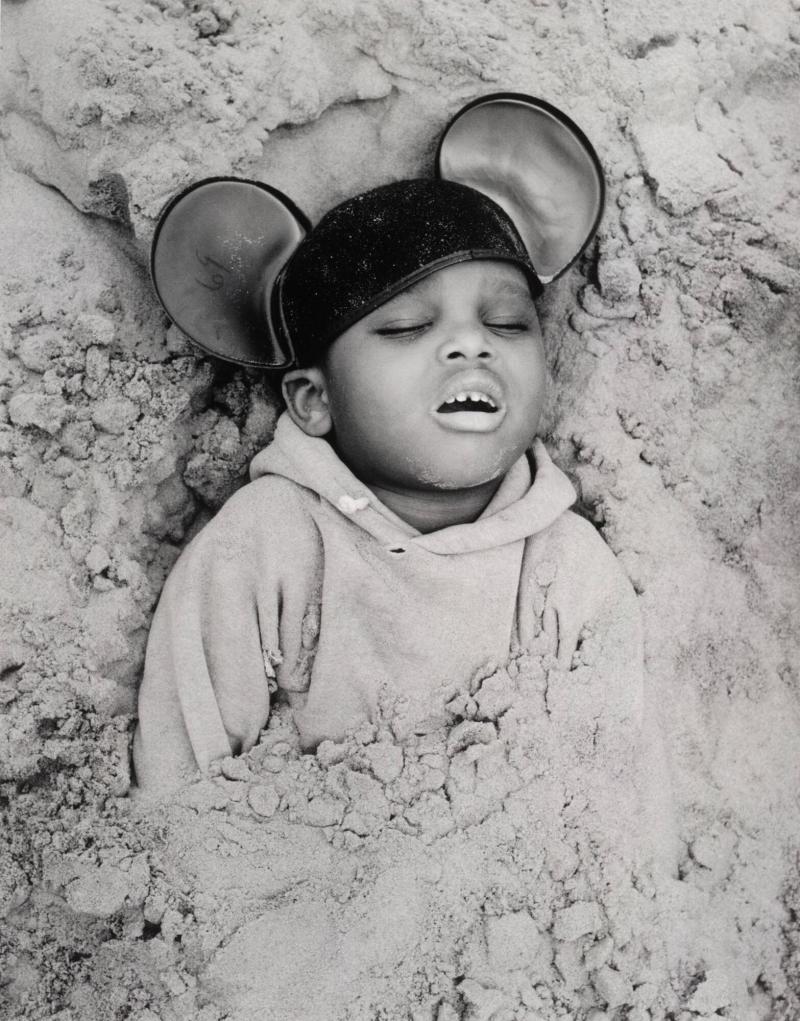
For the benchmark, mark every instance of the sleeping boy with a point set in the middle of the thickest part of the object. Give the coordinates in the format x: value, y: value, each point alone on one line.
x: 406, y: 529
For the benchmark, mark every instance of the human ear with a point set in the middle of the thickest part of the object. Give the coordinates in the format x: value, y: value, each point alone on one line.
x: 306, y: 394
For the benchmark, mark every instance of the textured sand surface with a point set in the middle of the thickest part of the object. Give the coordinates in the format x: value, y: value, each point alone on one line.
x: 491, y: 868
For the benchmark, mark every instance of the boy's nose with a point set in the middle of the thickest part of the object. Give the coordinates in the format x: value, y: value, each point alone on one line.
x: 467, y: 341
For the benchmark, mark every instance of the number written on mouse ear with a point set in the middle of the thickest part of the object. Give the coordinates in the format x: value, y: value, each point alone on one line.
x: 217, y: 280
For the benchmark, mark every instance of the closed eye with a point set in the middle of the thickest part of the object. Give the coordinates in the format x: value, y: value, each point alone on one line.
x: 511, y: 326
x: 401, y: 329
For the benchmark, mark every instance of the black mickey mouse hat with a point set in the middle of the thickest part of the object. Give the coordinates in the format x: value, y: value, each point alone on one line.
x: 239, y: 269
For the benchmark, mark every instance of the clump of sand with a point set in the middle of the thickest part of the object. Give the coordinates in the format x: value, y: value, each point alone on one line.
x: 484, y: 865
x: 477, y: 870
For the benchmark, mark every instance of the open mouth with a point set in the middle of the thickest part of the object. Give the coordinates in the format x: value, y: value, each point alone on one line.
x: 472, y: 401
x: 473, y: 409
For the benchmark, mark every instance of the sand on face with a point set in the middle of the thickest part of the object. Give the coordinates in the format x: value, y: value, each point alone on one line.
x: 473, y: 887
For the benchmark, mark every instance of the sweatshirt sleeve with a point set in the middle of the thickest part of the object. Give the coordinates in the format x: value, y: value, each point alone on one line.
x: 592, y: 618
x: 601, y: 693
x: 205, y: 691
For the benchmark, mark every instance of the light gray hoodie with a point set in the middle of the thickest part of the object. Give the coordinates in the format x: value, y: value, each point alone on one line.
x: 305, y: 584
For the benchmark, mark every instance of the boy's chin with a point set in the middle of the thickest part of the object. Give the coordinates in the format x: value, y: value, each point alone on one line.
x: 473, y: 466
x: 448, y: 479
x: 443, y: 465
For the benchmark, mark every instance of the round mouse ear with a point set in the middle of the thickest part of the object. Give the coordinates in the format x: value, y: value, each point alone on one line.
x: 535, y: 163
x: 217, y: 250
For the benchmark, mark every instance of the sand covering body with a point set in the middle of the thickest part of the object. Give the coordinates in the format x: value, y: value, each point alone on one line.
x: 306, y: 585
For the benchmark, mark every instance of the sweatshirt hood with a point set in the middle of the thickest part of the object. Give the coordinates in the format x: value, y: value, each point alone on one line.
x: 522, y: 506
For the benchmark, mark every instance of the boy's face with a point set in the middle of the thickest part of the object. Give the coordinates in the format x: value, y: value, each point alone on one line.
x: 443, y: 386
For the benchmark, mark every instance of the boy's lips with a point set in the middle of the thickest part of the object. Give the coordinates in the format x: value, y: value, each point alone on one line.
x: 470, y: 402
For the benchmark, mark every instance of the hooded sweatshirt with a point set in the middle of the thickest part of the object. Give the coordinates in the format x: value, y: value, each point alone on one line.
x: 307, y: 588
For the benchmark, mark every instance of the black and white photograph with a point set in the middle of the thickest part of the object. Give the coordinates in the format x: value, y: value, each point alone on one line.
x: 399, y: 500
